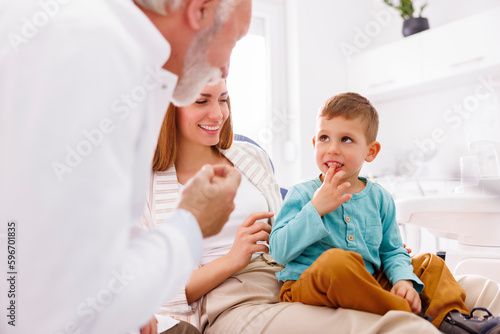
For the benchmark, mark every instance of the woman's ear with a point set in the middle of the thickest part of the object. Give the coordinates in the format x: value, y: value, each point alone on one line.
x: 314, y: 141
x: 201, y: 13
x: 373, y: 150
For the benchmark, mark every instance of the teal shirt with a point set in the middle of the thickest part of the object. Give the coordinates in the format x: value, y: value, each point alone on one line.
x: 366, y: 224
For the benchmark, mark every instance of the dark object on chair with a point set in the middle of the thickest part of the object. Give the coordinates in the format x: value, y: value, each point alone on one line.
x: 441, y: 254
x: 245, y: 138
x: 459, y: 323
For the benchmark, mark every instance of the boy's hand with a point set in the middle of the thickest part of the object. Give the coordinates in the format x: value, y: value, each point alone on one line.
x: 405, y: 290
x: 330, y: 195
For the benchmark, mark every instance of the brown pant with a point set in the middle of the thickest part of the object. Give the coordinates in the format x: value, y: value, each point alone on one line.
x: 339, y: 278
x: 182, y: 328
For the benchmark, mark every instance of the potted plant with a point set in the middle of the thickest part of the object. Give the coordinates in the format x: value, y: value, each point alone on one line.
x: 411, y: 24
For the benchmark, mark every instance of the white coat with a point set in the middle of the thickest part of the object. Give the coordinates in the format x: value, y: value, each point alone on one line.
x: 82, y: 99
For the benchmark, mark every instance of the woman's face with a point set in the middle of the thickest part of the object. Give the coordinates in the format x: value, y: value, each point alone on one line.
x: 202, y: 121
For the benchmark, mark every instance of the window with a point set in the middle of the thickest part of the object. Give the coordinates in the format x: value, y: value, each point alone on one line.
x: 258, y: 84
x: 247, y: 85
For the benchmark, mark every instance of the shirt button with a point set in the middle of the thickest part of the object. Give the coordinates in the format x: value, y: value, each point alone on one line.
x: 347, y: 219
x: 351, y: 238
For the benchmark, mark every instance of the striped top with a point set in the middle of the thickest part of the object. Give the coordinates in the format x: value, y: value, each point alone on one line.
x: 163, y: 198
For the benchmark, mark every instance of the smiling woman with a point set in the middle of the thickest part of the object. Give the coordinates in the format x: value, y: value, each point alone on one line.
x: 201, y: 122
x: 213, y: 109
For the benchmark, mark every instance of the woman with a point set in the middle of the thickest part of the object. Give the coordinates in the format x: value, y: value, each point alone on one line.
x: 237, y: 278
x: 202, y: 134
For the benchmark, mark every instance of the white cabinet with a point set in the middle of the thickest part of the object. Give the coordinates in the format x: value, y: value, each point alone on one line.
x: 386, y: 68
x: 433, y: 59
x: 468, y: 45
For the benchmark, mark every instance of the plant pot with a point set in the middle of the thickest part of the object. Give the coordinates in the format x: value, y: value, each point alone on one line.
x: 415, y: 25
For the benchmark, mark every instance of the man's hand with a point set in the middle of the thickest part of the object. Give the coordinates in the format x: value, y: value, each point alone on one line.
x: 405, y: 290
x: 209, y: 197
x: 331, y: 194
x: 150, y: 327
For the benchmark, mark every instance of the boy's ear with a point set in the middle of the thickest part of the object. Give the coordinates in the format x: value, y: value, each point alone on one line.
x: 314, y: 141
x: 201, y: 13
x: 373, y: 151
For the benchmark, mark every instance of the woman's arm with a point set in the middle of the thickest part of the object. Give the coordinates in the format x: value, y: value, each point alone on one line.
x: 206, y: 278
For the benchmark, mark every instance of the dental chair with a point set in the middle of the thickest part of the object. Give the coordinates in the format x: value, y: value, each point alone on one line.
x: 239, y: 137
x: 472, y: 220
x: 471, y: 215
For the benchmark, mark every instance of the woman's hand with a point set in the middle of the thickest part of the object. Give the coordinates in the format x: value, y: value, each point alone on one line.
x: 331, y: 194
x: 150, y: 327
x: 245, y: 244
x: 247, y: 236
x: 404, y: 289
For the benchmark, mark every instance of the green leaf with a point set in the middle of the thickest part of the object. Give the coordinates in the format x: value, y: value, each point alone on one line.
x: 405, y: 7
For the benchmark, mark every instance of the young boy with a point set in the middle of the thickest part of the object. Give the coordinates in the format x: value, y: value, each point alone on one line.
x: 338, y: 237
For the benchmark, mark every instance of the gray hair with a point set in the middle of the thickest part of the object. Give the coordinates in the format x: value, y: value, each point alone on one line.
x: 159, y: 6
x: 225, y: 8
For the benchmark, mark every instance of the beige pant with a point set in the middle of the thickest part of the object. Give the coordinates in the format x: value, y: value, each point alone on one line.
x: 247, y: 303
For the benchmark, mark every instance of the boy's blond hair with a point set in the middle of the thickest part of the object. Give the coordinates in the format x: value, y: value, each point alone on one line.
x: 352, y: 106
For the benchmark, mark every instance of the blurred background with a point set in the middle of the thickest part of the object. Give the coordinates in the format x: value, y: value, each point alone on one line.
x: 437, y: 92
x: 298, y: 53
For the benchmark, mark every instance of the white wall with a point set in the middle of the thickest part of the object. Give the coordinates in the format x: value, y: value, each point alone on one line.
x: 318, y: 29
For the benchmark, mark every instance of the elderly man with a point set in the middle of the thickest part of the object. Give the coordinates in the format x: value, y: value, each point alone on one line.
x: 84, y: 87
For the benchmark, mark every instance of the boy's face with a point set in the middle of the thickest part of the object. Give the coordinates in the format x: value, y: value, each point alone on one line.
x: 341, y: 144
